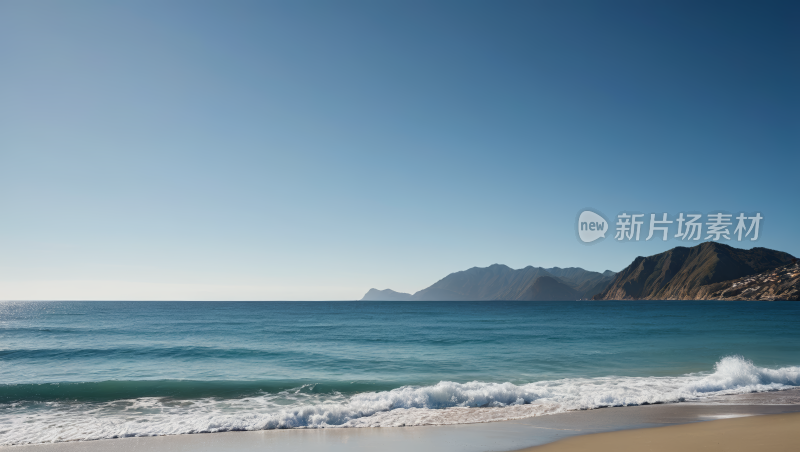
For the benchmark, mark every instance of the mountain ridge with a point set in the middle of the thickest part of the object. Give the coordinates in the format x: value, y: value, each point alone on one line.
x: 681, y: 272
x: 708, y: 270
x: 500, y: 282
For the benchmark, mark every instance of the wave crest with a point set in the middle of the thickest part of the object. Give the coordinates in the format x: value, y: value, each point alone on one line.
x: 443, y: 403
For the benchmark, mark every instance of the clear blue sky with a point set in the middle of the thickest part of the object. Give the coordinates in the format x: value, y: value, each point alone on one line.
x: 313, y: 150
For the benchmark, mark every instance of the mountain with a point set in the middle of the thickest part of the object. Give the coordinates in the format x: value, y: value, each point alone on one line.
x: 587, y: 283
x: 550, y: 289
x: 782, y: 283
x: 680, y: 273
x: 709, y: 270
x: 496, y: 282
x: 500, y: 282
x: 386, y: 295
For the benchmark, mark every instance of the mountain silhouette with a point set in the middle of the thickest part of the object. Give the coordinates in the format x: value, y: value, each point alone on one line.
x: 680, y: 273
x: 500, y: 282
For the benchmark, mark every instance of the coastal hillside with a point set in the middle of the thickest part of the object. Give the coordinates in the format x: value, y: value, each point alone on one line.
x: 500, y: 282
x: 782, y: 283
x: 680, y: 273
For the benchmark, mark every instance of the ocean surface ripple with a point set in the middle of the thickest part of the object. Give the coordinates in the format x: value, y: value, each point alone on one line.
x: 82, y: 371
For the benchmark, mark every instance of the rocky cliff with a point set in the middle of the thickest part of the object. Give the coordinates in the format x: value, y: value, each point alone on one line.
x: 680, y: 273
x: 782, y: 283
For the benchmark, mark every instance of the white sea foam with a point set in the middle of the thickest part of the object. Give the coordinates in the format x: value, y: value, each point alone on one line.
x: 443, y: 403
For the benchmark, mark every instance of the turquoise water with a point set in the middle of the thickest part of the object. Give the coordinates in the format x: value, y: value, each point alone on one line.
x: 109, y: 369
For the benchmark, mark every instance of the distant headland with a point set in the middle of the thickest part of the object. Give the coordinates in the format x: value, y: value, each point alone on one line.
x: 707, y: 271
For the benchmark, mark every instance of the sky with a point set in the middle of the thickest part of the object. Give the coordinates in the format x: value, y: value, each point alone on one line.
x: 312, y: 150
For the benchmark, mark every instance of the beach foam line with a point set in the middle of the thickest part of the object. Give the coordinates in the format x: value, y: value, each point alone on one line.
x: 441, y: 404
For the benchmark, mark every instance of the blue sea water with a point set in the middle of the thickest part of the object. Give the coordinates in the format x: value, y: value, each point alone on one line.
x: 91, y: 370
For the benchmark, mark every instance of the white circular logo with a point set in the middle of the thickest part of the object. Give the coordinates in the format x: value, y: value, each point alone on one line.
x: 591, y: 226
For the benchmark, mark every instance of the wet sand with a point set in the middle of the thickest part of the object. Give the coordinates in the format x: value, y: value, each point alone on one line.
x: 777, y: 432
x: 493, y: 436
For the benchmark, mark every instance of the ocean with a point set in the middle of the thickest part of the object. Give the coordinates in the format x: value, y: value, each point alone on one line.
x: 92, y: 370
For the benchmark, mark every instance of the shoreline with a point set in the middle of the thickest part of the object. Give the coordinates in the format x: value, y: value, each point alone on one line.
x: 498, y: 436
x: 775, y: 432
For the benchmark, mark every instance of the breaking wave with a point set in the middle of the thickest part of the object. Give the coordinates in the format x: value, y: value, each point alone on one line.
x: 31, y: 421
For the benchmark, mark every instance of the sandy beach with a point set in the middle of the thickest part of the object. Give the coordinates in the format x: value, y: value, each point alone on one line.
x: 740, y: 422
x: 778, y: 432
